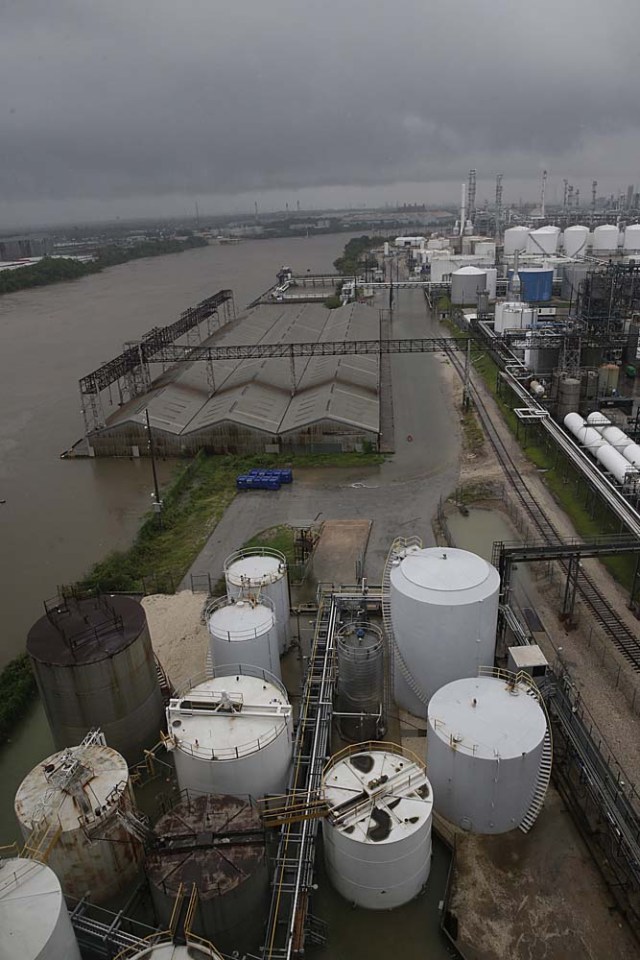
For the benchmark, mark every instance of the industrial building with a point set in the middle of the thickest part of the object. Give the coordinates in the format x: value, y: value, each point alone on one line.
x: 302, y: 404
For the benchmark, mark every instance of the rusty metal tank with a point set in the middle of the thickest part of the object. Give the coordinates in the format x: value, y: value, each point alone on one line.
x: 94, y: 664
x: 75, y: 805
x: 217, y: 842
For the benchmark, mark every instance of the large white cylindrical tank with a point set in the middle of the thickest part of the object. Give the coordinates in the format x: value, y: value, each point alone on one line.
x: 194, y: 949
x: 262, y: 569
x: 243, y: 630
x: 217, y: 842
x: 82, y: 793
x: 232, y: 733
x: 377, y: 836
x: 515, y: 238
x: 466, y: 284
x: 484, y: 746
x: 444, y: 609
x: 34, y: 921
x: 605, y: 238
x: 513, y: 315
x: 543, y: 240
x: 575, y: 240
x: 631, y: 243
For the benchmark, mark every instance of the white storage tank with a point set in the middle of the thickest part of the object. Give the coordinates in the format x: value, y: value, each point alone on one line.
x: 485, y: 738
x: 193, y: 949
x: 34, y: 921
x: 515, y: 238
x: 243, y: 630
x: 616, y: 437
x: 360, y: 695
x: 377, y: 836
x: 262, y: 569
x: 79, y: 796
x: 232, y: 733
x: 543, y: 240
x: 217, y: 842
x: 466, y: 284
x: 492, y: 282
x: 444, y: 610
x: 575, y: 240
x: 631, y: 242
x: 513, y: 315
x: 605, y: 239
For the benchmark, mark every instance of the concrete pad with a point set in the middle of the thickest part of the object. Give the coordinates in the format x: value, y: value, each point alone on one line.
x: 342, y: 544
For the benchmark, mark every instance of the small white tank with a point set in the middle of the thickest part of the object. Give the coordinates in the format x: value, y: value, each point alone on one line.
x: 34, y: 921
x: 605, y: 239
x: 262, y: 569
x: 194, y: 949
x: 444, y: 611
x: 631, y: 242
x: 232, y: 733
x: 575, y: 240
x: 543, y: 240
x: 515, y: 238
x: 513, y: 315
x: 243, y: 630
x: 485, y: 740
x: 377, y: 837
x: 81, y: 794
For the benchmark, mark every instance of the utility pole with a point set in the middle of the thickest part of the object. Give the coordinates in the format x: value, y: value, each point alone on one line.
x: 498, y: 207
x: 543, y: 192
x: 157, y: 506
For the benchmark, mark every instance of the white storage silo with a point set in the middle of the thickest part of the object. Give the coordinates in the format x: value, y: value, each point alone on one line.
x: 217, y: 842
x: 492, y: 282
x: 543, y: 240
x: 262, y: 569
x: 605, y: 239
x: 377, y: 836
x: 466, y: 284
x: 34, y: 921
x: 513, y: 315
x: 485, y: 739
x: 243, y: 630
x: 444, y: 610
x: 232, y: 733
x: 193, y: 949
x: 515, y: 238
x: 575, y: 240
x: 79, y: 796
x: 631, y: 243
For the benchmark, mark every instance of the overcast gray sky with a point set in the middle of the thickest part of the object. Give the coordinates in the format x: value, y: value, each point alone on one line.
x: 139, y: 107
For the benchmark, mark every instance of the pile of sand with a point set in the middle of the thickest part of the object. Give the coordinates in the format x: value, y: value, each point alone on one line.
x: 178, y: 636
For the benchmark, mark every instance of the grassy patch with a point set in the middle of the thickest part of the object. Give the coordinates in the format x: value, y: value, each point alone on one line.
x: 18, y: 690
x: 193, y: 505
x: 472, y: 433
x: 280, y: 538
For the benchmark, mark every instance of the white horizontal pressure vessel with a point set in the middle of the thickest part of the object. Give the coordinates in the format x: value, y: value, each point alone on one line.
x: 243, y: 630
x: 617, y: 465
x: 485, y: 740
x: 377, y: 836
x: 629, y: 449
x: 444, y: 610
x: 232, y: 733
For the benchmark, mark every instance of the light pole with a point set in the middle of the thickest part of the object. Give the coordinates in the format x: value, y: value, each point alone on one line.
x: 157, y: 506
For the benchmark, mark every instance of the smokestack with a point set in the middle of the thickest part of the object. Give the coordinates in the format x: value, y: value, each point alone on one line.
x: 463, y: 208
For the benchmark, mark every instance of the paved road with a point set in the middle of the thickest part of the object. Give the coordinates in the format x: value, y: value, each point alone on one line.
x: 400, y: 496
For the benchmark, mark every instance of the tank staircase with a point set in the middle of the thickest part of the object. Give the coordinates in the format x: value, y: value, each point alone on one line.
x: 398, y: 549
x: 290, y: 925
x: 137, y: 824
x: 166, y: 687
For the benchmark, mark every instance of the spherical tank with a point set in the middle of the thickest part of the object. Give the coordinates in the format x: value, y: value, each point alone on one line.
x: 632, y: 238
x: 543, y: 240
x: 243, y: 630
x: 467, y: 283
x: 232, y: 733
x: 218, y: 843
x: 485, y: 740
x: 262, y: 569
x: 360, y: 648
x: 34, y: 921
x: 83, y: 793
x: 95, y: 667
x: 444, y: 609
x: 377, y: 836
x: 575, y: 240
x: 515, y: 238
x: 605, y: 238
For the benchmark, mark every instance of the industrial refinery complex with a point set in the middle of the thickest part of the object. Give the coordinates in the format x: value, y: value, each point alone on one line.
x: 347, y: 731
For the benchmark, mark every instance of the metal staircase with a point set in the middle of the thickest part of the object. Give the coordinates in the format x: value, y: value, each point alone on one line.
x: 398, y: 549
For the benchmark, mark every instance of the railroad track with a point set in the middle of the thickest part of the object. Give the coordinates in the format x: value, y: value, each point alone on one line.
x: 604, y: 614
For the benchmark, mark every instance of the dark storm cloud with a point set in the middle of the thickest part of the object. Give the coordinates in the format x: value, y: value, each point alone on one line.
x: 121, y: 99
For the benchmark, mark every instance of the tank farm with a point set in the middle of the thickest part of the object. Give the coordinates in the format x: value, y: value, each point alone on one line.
x: 336, y: 738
